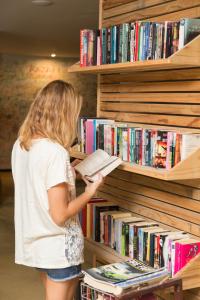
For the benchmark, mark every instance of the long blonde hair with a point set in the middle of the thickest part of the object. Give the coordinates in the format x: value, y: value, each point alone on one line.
x: 53, y: 114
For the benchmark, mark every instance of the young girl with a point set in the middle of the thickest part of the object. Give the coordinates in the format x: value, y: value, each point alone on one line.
x: 48, y: 235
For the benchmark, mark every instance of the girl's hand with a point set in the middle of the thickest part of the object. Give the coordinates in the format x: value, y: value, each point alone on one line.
x: 91, y: 187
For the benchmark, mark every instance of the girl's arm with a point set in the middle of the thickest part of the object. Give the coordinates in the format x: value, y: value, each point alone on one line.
x: 61, y: 209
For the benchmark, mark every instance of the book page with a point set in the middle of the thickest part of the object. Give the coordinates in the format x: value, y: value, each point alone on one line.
x: 92, y: 163
x: 114, y: 163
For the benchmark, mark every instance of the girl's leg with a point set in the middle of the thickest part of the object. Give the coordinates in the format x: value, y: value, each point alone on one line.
x: 60, y: 290
x: 43, y: 277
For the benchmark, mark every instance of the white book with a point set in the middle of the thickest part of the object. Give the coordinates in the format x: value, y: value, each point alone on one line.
x: 98, y: 162
x: 190, y: 143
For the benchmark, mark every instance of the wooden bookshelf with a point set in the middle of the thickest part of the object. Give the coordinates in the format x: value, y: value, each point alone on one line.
x: 184, y: 170
x: 164, y: 93
x: 188, y: 57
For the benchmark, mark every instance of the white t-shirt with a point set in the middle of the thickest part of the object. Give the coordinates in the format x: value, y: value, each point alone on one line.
x: 39, y: 242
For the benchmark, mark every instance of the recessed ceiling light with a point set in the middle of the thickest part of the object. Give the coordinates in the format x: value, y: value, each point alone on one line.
x: 53, y: 55
x: 42, y: 2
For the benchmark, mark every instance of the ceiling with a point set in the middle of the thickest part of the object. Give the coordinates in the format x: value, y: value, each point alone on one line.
x: 41, y: 30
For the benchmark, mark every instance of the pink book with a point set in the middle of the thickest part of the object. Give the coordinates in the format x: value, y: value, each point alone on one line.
x: 185, y: 250
x: 89, y: 127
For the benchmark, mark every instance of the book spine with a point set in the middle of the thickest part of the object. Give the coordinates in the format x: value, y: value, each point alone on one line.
x: 137, y: 25
x: 101, y: 228
x: 88, y: 221
x: 131, y: 236
x: 106, y: 240
x: 85, y: 47
x: 81, y: 46
x: 152, y: 249
x: 98, y: 47
x: 104, y: 45
x: 89, y: 136
x: 126, y: 239
x: 122, y: 248
x: 108, y: 59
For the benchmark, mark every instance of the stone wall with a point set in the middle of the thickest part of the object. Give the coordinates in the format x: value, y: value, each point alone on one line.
x: 20, y: 79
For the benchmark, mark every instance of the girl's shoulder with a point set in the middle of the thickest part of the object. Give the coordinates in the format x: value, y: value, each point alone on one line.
x: 49, y: 146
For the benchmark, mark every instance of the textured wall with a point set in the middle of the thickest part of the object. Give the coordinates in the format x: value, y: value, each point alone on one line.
x: 20, y: 79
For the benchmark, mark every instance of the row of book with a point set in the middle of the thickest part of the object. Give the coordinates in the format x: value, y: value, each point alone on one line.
x: 104, y: 222
x: 143, y: 146
x: 135, y: 41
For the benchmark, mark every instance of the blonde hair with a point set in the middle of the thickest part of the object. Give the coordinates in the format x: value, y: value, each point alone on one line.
x: 53, y: 114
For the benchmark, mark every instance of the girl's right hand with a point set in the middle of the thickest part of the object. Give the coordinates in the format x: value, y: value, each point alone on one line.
x: 91, y: 187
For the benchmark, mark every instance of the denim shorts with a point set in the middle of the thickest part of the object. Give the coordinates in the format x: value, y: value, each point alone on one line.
x: 63, y: 274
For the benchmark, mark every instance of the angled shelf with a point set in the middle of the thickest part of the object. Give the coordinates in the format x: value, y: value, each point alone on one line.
x: 186, y: 169
x: 187, y: 57
x: 190, y: 274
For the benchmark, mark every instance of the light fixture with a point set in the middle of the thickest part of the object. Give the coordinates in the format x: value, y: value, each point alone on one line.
x: 53, y: 55
x: 42, y: 2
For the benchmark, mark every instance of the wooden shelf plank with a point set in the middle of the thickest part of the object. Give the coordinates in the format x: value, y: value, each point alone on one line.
x: 188, y: 56
x: 184, y: 170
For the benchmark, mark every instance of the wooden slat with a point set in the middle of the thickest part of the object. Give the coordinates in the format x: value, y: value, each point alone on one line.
x: 132, y: 7
x: 152, y: 97
x: 168, y: 120
x: 157, y: 216
x: 153, y: 203
x: 176, y: 16
x: 170, y: 109
x: 168, y: 86
x: 172, y: 75
x: 152, y: 12
x: 114, y: 3
x: 152, y: 193
x: 174, y: 188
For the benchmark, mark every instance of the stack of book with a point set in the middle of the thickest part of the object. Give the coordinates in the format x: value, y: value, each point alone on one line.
x: 122, y: 277
x: 146, y: 147
x: 135, y: 41
x: 135, y: 237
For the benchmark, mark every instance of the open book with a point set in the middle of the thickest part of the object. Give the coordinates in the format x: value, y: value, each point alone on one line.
x: 120, y: 277
x: 98, y: 162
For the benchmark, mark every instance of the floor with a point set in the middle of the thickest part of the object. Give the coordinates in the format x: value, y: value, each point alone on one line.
x: 16, y: 282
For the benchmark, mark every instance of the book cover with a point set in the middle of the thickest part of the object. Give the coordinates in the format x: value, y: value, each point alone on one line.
x: 161, y: 150
x: 189, y: 143
x: 185, y: 250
